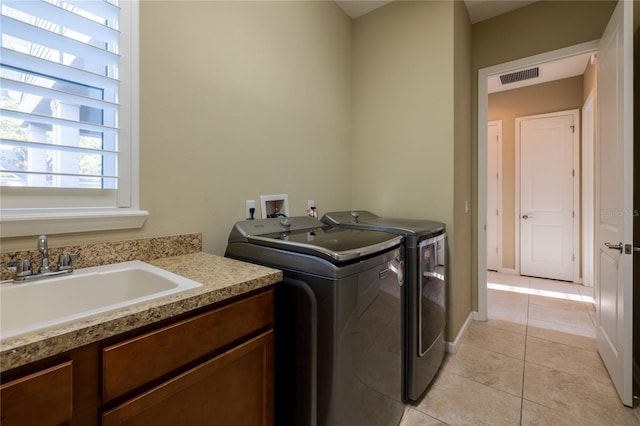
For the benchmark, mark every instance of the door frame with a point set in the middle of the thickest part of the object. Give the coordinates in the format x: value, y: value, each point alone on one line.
x: 576, y: 187
x: 587, y: 185
x: 483, y: 106
x: 498, y: 123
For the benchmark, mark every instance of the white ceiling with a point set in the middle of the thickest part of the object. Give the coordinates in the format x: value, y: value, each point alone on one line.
x: 480, y: 10
x: 357, y: 8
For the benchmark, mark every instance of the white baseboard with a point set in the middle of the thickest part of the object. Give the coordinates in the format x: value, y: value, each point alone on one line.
x: 452, y: 347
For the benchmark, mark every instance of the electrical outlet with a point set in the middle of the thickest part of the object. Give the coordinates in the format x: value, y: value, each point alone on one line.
x: 250, y: 204
x: 311, y: 209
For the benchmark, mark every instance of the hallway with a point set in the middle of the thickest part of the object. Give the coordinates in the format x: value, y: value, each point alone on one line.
x: 534, y: 362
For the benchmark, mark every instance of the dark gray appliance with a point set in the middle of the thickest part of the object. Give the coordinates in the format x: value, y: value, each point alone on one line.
x: 338, y: 325
x: 426, y: 286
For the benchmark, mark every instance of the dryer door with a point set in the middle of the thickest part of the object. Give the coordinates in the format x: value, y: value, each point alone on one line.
x: 431, y: 309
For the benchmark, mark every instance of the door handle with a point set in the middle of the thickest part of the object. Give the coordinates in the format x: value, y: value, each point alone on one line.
x: 612, y: 246
x: 526, y: 216
x: 630, y: 249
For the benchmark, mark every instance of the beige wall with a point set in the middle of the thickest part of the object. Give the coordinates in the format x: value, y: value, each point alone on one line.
x: 460, y: 289
x: 240, y: 99
x: 237, y: 99
x: 540, y: 27
x: 560, y: 95
x: 403, y: 110
x: 411, y: 115
x: 246, y: 98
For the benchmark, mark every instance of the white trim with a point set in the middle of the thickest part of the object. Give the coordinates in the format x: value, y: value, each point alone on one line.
x: 129, y: 195
x: 509, y: 271
x: 452, y: 347
x: 516, y: 207
x: 588, y: 190
x: 498, y: 124
x: 577, y: 207
x: 483, y: 74
x: 481, y: 226
x: 69, y: 221
x: 279, y: 197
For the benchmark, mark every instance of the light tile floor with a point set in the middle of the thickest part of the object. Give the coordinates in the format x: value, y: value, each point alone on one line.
x: 533, y: 362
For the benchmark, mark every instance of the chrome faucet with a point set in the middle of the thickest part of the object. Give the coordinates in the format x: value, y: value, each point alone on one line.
x: 24, y: 270
x: 44, y: 252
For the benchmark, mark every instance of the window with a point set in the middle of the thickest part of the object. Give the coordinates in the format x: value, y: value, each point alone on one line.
x: 68, y: 111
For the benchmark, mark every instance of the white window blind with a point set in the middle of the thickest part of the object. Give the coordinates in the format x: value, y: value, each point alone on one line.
x: 59, y: 100
x: 69, y: 116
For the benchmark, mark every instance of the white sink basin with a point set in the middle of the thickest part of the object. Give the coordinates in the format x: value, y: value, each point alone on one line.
x: 43, y: 304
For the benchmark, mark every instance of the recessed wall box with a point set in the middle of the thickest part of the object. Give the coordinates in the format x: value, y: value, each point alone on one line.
x: 274, y: 205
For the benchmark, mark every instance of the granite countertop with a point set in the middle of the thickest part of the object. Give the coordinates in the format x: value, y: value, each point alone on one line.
x: 221, y: 279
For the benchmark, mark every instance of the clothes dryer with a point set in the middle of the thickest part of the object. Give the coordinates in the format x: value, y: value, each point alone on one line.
x: 425, y: 316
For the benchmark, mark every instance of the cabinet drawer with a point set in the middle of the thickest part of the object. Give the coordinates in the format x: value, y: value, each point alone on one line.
x: 43, y: 398
x: 134, y: 362
x: 234, y: 388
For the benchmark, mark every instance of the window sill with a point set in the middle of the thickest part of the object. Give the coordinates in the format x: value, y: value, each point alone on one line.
x: 21, y: 223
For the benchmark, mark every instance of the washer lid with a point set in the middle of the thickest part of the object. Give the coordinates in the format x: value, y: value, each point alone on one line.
x: 310, y: 236
x: 336, y: 244
x: 362, y: 219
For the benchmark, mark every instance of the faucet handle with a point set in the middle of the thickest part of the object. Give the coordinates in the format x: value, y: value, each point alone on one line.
x: 23, y: 268
x: 66, y: 261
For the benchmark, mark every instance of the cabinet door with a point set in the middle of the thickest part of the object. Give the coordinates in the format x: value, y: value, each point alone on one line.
x: 235, y: 388
x: 134, y: 362
x: 43, y: 398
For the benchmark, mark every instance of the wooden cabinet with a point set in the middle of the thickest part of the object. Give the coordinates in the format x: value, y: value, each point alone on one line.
x: 212, y: 367
x: 235, y: 388
x: 42, y: 398
x: 134, y: 362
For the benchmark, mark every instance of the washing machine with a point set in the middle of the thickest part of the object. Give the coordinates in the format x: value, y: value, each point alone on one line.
x: 338, y: 319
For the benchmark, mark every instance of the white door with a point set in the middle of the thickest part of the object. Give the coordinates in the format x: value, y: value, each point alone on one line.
x: 494, y: 181
x: 614, y: 200
x: 547, y: 203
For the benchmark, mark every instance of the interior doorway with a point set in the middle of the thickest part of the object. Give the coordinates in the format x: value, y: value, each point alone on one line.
x: 483, y: 91
x: 613, y: 197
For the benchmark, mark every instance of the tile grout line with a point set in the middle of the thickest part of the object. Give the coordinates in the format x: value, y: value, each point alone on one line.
x: 524, y: 358
x: 584, y: 304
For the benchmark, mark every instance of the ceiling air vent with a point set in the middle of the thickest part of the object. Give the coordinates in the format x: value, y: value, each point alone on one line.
x: 520, y: 75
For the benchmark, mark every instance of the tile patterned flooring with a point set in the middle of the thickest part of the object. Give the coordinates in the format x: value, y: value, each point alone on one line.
x: 533, y: 362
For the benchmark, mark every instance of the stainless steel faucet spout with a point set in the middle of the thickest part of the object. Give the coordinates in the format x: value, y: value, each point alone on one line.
x: 44, y: 252
x: 24, y: 273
